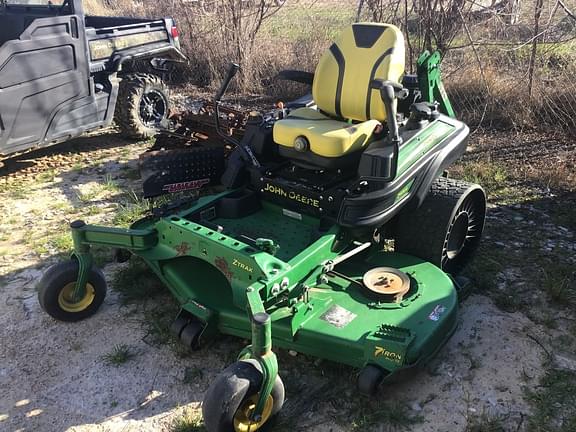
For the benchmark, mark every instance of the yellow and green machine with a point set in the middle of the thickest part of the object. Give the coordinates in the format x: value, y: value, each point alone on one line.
x: 293, y: 251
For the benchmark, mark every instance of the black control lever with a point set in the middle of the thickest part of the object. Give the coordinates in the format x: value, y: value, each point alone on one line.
x: 387, y: 94
x: 245, y: 148
x: 232, y: 71
x: 389, y: 91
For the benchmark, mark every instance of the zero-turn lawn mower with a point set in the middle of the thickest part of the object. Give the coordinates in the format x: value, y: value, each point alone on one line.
x: 293, y: 252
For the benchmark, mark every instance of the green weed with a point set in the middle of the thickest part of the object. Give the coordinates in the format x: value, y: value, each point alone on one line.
x: 119, y: 355
x: 395, y: 415
x: 192, y: 375
x: 46, y: 176
x: 190, y: 421
x: 475, y: 362
x: 130, y: 173
x: 61, y: 242
x: 491, y: 176
x: 507, y: 301
x: 487, y: 263
x: 17, y: 190
x: 40, y: 249
x: 78, y: 167
x: 92, y: 210
x: 159, y: 320
x: 87, y: 196
x: 486, y: 423
x: 559, y: 282
x: 553, y: 402
x: 136, y: 282
x: 130, y: 211
x: 110, y: 185
x: 12, y: 220
x: 62, y: 206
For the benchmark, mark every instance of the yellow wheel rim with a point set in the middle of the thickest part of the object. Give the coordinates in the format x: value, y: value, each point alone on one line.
x: 242, y: 422
x: 66, y: 300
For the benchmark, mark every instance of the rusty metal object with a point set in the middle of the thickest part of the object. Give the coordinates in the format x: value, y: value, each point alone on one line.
x: 201, y: 119
x: 191, y: 156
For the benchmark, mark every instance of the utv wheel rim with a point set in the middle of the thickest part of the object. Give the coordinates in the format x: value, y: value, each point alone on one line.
x: 242, y: 422
x: 153, y: 108
x: 66, y: 298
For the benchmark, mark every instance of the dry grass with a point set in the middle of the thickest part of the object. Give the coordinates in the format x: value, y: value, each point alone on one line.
x: 292, y: 37
x: 498, y: 98
x: 492, y: 92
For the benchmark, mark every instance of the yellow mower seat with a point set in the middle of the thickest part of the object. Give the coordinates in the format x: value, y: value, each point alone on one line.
x: 327, y: 137
x: 349, y: 107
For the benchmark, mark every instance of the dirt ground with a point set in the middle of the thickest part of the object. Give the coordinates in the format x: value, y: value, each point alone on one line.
x: 55, y: 376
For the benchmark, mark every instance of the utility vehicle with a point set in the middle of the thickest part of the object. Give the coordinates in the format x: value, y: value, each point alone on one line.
x: 293, y: 251
x: 63, y: 73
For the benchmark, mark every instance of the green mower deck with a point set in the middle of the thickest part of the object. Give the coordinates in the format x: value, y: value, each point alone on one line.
x: 315, y: 308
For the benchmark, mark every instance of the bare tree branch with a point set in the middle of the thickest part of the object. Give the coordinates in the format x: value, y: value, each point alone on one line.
x: 568, y: 11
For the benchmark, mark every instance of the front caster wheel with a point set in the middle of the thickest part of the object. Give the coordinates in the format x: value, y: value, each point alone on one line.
x: 56, y: 292
x: 230, y: 401
x: 190, y: 335
x: 369, y: 379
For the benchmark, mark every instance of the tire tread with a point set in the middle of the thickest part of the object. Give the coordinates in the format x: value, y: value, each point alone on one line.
x: 127, y: 104
x: 421, y: 232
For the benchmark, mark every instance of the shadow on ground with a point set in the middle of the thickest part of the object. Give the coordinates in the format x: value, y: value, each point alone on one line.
x: 54, y: 155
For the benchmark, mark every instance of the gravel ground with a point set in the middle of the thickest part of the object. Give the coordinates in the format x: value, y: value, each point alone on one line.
x: 54, y: 375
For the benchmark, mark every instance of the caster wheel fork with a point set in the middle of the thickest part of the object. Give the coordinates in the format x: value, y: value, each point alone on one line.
x: 247, y: 395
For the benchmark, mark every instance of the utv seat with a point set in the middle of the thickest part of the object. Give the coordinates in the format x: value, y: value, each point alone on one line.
x: 349, y: 105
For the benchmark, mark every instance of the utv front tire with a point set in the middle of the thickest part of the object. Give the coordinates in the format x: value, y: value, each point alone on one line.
x: 143, y: 105
x: 57, y: 285
x: 446, y: 229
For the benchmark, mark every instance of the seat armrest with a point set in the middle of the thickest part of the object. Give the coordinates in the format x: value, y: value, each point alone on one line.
x: 302, y: 77
x: 305, y: 101
x: 378, y: 84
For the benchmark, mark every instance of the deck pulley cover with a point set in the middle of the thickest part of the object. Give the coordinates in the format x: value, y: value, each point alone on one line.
x: 384, y: 283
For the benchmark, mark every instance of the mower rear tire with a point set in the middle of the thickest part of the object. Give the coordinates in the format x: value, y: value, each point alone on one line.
x: 142, y: 106
x: 446, y: 229
x: 231, y: 398
x: 57, y: 285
